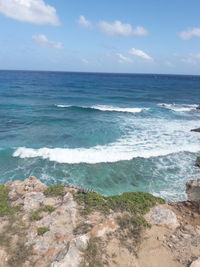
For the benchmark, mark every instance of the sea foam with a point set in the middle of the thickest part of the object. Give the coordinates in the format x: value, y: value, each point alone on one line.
x: 155, y: 137
x: 106, y: 108
x: 178, y: 107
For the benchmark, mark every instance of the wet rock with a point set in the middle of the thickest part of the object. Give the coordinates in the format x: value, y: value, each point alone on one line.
x: 198, y: 107
x: 196, y: 130
x: 193, y: 190
x: 197, y: 164
x: 162, y: 216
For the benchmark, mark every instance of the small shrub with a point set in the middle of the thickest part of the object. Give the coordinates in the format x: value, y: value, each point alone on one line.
x: 36, y: 216
x: 5, y: 208
x: 47, y: 208
x: 42, y: 230
x: 133, y: 202
x: 55, y: 190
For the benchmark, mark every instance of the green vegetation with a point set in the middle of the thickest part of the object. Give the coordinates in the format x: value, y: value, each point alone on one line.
x: 36, y: 215
x: 82, y: 228
x: 55, y: 190
x: 92, y: 254
x: 42, y: 230
x: 133, y: 202
x: 5, y: 208
x: 19, y: 253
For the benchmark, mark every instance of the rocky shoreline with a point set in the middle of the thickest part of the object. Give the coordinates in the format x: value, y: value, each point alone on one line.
x: 68, y: 226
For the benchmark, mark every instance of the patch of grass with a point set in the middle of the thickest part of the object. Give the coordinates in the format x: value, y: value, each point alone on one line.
x: 20, y: 255
x: 17, y: 250
x: 42, y: 230
x: 55, y: 190
x: 133, y: 202
x: 82, y: 229
x: 47, y: 208
x: 92, y: 254
x: 92, y: 201
x: 5, y: 208
x: 131, y: 231
x: 36, y: 216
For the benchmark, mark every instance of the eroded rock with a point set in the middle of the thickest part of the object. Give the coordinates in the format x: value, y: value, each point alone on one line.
x: 195, y: 263
x: 19, y: 188
x: 197, y: 164
x: 33, y: 200
x: 193, y: 190
x: 161, y: 215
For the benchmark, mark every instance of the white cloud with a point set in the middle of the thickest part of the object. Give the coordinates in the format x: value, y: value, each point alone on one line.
x: 33, y: 11
x: 123, y: 59
x: 84, y: 22
x: 189, y: 33
x: 118, y: 28
x: 192, y: 59
x: 140, y: 53
x: 43, y: 40
x: 85, y: 61
x: 169, y: 63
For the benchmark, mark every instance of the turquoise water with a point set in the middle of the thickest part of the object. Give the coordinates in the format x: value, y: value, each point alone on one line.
x: 108, y: 132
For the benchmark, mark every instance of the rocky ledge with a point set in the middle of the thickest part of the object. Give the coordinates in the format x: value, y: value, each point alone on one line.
x: 63, y: 226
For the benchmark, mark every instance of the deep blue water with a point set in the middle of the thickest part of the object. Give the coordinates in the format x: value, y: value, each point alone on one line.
x: 109, y: 132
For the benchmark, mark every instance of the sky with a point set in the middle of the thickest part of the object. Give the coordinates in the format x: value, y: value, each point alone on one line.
x: 127, y: 36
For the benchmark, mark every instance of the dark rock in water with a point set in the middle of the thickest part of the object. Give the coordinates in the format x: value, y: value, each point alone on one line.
x: 197, y: 164
x: 196, y: 130
x: 198, y: 107
x: 193, y: 190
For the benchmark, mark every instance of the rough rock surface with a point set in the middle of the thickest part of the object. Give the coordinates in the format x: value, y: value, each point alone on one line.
x: 195, y: 263
x: 193, y: 190
x: 196, y: 130
x: 197, y: 164
x: 161, y: 215
x: 71, y: 239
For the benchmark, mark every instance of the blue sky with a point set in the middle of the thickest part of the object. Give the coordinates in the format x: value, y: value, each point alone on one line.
x: 102, y: 36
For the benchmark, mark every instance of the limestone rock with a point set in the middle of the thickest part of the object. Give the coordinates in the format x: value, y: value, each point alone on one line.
x: 162, y: 216
x: 33, y: 200
x: 73, y: 255
x: 19, y: 188
x: 195, y: 263
x: 193, y: 190
x: 3, y: 258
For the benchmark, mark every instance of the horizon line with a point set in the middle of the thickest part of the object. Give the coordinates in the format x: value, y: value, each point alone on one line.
x: 100, y: 72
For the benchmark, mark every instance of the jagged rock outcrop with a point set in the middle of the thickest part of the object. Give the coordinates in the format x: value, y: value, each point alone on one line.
x: 196, y: 130
x: 198, y: 107
x: 193, y: 190
x: 162, y: 216
x: 197, y: 164
x: 63, y: 226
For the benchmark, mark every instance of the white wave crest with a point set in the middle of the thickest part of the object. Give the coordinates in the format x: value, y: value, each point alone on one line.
x: 178, y: 107
x: 150, y: 138
x: 63, y: 106
x: 107, y: 108
x: 118, y: 109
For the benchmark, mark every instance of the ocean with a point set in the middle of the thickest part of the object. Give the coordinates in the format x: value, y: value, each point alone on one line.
x: 108, y: 132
